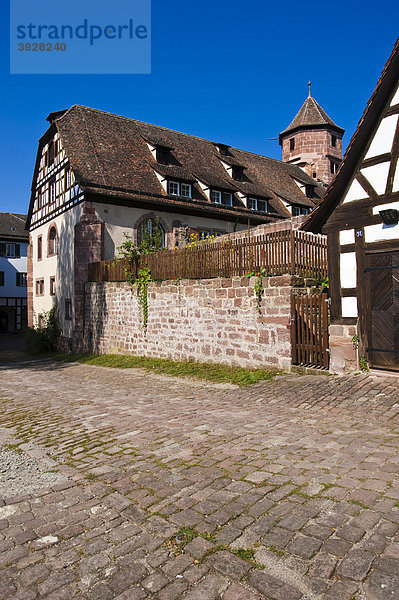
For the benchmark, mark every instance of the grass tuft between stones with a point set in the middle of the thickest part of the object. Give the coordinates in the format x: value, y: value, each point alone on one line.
x: 207, y: 371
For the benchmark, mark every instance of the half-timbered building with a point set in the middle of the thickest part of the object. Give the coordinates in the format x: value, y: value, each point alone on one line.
x: 99, y: 175
x: 13, y: 273
x: 360, y: 215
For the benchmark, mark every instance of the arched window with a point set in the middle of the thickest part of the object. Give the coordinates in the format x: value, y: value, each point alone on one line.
x: 150, y: 233
x: 52, y: 241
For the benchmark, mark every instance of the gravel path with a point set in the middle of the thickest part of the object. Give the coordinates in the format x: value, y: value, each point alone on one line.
x: 21, y: 472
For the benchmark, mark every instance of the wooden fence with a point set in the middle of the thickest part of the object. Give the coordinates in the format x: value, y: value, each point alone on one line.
x: 294, y: 252
x: 310, y: 331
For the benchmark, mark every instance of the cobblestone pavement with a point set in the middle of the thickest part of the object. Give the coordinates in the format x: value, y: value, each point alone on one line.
x: 284, y: 490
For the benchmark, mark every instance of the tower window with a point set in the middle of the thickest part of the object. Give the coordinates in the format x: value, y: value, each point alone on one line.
x: 292, y: 144
x: 333, y: 167
x: 333, y: 141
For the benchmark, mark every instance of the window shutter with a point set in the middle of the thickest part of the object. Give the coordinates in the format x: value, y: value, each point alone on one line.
x: 1, y: 277
x: 18, y: 280
x: 17, y: 250
x: 2, y: 249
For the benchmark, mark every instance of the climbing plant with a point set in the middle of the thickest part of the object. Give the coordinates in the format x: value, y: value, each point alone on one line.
x: 258, y: 288
x: 151, y: 241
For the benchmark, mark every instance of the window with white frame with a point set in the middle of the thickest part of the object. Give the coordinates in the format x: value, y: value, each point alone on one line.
x: 219, y: 197
x: 176, y: 188
x: 173, y: 188
x: 216, y: 196
x: 299, y: 210
x: 185, y: 190
x: 52, y: 190
x: 258, y: 204
x: 252, y: 204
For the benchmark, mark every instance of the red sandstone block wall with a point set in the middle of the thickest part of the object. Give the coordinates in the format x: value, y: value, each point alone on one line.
x: 210, y: 320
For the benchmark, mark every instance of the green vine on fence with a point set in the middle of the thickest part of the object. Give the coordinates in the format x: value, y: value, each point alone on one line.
x: 258, y: 288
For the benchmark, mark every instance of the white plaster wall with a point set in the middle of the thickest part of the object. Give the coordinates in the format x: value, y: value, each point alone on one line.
x: 348, y: 269
x: 355, y: 192
x: 60, y: 266
x: 347, y: 236
x: 381, y: 232
x: 377, y: 175
x: 376, y: 209
x: 349, y: 307
x: 120, y: 219
x: 383, y: 138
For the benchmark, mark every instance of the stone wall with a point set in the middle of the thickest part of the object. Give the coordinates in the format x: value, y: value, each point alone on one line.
x: 343, y: 352
x: 313, y: 147
x: 210, y: 320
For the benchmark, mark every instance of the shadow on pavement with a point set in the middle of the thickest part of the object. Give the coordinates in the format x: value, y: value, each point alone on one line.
x: 13, y: 354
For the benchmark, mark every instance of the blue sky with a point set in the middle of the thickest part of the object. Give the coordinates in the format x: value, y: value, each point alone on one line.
x: 229, y: 71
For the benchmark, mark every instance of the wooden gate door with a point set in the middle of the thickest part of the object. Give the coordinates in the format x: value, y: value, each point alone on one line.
x: 382, y: 310
x: 310, y: 331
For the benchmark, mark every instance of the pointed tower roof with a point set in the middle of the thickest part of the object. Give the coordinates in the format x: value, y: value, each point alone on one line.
x: 311, y: 115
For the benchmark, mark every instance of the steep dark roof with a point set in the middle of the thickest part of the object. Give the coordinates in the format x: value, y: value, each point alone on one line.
x: 109, y: 155
x: 12, y: 227
x: 384, y: 89
x: 310, y: 115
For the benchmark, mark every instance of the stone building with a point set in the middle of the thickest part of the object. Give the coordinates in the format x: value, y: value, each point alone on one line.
x: 99, y: 175
x: 313, y: 142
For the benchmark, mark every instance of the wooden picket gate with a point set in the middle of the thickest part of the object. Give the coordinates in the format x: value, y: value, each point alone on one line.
x: 310, y: 330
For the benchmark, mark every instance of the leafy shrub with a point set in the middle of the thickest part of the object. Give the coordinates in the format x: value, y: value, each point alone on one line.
x: 45, y: 338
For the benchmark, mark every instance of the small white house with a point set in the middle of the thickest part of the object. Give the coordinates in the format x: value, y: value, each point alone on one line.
x: 13, y: 272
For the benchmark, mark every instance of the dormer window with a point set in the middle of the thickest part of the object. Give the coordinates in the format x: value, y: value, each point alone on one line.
x: 299, y: 210
x: 219, y: 197
x: 223, y: 149
x: 173, y: 188
x: 257, y: 204
x: 176, y: 188
x: 163, y: 155
x: 238, y: 173
x: 309, y: 190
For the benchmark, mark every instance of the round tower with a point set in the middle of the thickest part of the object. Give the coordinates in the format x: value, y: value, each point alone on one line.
x: 313, y: 142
